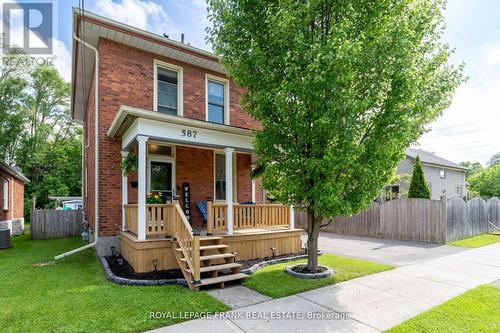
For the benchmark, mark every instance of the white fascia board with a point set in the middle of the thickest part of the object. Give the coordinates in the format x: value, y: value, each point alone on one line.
x: 185, y: 134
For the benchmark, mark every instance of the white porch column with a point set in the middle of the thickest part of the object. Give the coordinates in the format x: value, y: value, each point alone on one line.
x: 292, y: 218
x: 229, y: 189
x: 253, y: 191
x: 124, y: 191
x: 141, y: 191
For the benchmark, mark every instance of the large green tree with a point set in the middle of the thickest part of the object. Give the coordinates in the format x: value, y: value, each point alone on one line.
x: 472, y: 168
x: 341, y: 89
x: 13, y: 84
x: 494, y: 160
x: 486, y: 182
x: 36, y: 130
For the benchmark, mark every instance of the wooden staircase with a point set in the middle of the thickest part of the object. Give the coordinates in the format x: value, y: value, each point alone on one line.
x: 203, y: 260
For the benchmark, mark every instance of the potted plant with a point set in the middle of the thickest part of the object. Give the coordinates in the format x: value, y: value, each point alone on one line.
x: 129, y: 163
x: 154, y: 198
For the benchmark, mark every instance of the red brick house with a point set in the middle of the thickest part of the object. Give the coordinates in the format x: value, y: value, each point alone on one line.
x: 173, y: 107
x: 12, y: 197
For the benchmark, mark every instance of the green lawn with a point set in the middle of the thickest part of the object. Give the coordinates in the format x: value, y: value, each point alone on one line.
x: 477, y: 241
x: 478, y: 310
x: 274, y: 282
x: 74, y: 296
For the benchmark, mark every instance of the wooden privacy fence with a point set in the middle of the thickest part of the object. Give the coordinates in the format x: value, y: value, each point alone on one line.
x: 419, y: 220
x: 50, y: 223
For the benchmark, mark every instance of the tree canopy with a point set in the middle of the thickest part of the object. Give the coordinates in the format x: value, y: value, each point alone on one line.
x: 486, y: 182
x: 473, y: 168
x: 494, y: 160
x: 341, y: 89
x: 37, y: 132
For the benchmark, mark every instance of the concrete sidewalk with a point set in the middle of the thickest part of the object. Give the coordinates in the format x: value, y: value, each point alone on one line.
x: 374, y: 303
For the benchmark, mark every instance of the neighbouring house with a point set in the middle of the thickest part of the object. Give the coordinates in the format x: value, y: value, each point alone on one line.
x: 443, y: 177
x: 172, y: 106
x: 67, y: 203
x: 12, y: 197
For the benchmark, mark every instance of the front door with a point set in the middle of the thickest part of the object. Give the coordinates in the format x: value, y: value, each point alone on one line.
x: 161, y: 177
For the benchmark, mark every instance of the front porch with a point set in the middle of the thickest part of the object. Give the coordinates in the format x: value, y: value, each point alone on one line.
x: 211, y: 214
x: 259, y: 231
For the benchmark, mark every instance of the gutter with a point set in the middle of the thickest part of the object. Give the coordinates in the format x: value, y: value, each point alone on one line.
x: 96, y: 156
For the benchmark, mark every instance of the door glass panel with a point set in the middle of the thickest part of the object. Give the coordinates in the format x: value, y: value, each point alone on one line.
x: 161, y: 176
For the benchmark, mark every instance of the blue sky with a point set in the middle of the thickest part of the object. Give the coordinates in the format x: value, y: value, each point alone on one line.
x: 468, y: 130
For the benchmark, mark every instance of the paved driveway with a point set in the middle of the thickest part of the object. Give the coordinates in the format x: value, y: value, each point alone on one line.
x: 398, y: 253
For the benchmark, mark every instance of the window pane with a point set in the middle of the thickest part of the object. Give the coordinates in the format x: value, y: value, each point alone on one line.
x: 167, y: 91
x: 215, y: 102
x: 220, y: 177
x: 167, y: 75
x: 161, y: 176
x: 215, y: 93
x: 159, y: 149
x: 215, y: 113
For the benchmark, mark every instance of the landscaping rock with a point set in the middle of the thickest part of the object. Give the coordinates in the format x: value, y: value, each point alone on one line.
x: 301, y: 271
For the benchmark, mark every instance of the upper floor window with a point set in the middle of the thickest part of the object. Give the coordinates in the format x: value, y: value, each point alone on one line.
x: 5, y: 195
x: 442, y: 174
x: 168, y: 89
x: 217, y: 100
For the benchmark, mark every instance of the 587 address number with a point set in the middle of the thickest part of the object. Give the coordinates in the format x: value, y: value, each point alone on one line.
x: 189, y: 133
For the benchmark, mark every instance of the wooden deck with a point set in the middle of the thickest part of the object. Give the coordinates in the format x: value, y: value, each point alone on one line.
x: 170, y: 242
x: 247, y: 244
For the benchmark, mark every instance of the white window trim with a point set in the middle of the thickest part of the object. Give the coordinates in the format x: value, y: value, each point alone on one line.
x: 225, y: 82
x: 235, y: 178
x: 5, y: 195
x: 180, y: 85
x: 161, y: 158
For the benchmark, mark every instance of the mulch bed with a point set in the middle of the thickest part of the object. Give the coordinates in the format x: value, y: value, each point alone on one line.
x: 302, y: 268
x: 126, y: 271
x: 249, y: 263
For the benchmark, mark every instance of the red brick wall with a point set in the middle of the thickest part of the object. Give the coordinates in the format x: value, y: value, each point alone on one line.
x: 16, y: 192
x: 196, y: 167
x: 18, y: 199
x: 126, y: 78
x: 243, y: 177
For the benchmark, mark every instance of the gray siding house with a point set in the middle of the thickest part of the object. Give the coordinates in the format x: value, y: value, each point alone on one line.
x: 442, y: 176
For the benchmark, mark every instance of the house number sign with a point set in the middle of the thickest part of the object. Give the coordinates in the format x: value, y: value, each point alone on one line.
x: 186, y: 201
x: 189, y: 133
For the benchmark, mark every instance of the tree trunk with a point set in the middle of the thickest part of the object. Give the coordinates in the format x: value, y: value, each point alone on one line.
x: 313, y: 224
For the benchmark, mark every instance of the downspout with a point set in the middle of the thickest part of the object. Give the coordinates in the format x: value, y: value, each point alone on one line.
x: 96, y: 156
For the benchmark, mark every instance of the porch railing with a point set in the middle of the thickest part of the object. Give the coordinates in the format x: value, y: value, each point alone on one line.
x: 216, y: 220
x: 189, y: 244
x: 247, y: 216
x: 159, y: 219
x: 131, y: 221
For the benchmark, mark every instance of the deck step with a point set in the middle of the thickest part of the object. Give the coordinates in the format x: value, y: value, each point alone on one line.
x: 208, y: 247
x: 210, y: 238
x: 224, y: 278
x: 212, y: 268
x: 214, y: 256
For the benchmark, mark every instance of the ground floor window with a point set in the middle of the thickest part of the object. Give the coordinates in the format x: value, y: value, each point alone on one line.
x: 220, y: 177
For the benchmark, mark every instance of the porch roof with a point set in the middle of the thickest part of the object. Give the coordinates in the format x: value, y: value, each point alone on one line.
x: 131, y: 122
